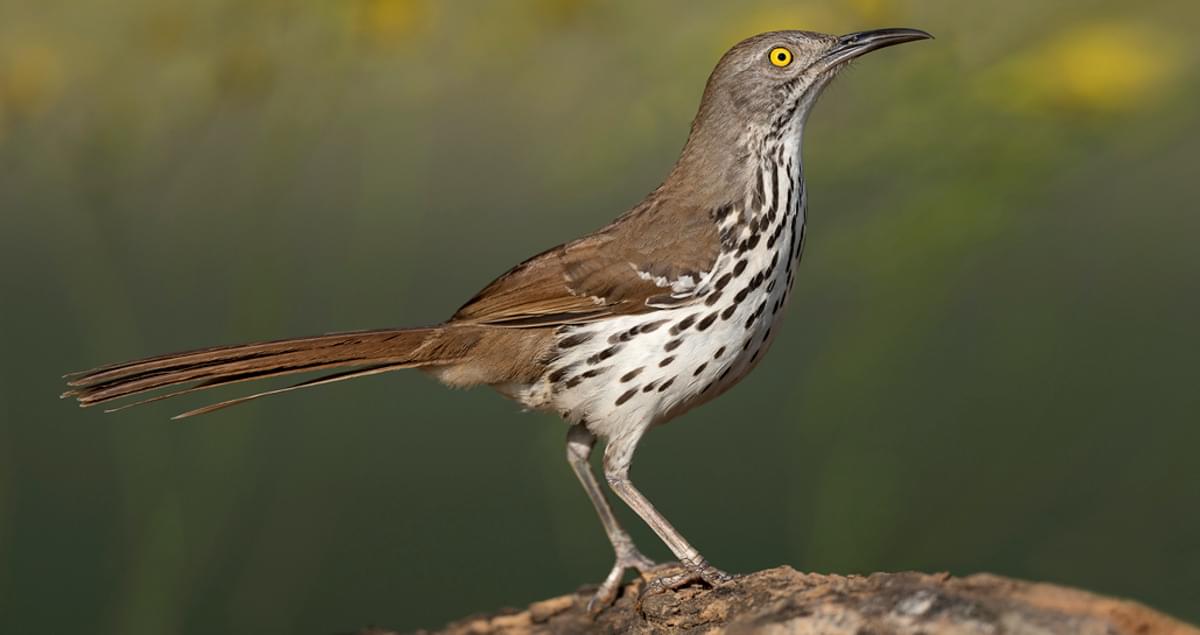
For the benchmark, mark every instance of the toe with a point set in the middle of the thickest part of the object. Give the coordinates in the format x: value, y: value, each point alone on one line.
x: 607, y: 593
x: 673, y: 578
x: 602, y: 599
x: 714, y: 576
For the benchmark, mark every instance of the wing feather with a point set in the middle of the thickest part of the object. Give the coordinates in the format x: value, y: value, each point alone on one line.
x: 656, y: 254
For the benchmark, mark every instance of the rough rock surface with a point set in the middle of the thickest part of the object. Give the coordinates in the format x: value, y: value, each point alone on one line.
x: 785, y: 601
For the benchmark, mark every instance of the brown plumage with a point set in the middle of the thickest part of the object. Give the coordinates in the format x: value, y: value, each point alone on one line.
x: 612, y: 271
x: 220, y: 366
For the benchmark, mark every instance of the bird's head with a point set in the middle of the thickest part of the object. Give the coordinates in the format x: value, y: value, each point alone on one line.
x: 770, y: 80
x: 762, y: 89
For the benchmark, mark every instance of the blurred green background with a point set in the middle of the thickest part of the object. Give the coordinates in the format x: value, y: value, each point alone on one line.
x: 991, y: 363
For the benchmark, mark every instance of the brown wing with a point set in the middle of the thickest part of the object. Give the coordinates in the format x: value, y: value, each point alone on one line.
x: 651, y: 257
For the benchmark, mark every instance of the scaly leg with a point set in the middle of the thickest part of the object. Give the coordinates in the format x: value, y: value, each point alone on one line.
x: 618, y: 455
x: 579, y: 447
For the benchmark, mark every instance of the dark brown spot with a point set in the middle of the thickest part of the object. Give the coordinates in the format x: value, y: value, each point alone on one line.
x: 672, y: 345
x: 594, y: 372
x: 666, y: 384
x: 683, y: 324
x: 741, y: 295
x: 631, y: 374
x: 574, y: 381
x: 557, y: 375
x: 728, y: 312
x: 574, y: 340
x: 725, y: 372
x: 604, y: 354
x: 650, y: 327
x: 627, y: 395
x: 650, y: 386
x: 699, y: 369
x: 666, y: 362
x: 712, y: 299
x: 724, y: 280
x: 774, y: 170
x: 707, y: 321
x: 739, y: 267
x: 719, y: 353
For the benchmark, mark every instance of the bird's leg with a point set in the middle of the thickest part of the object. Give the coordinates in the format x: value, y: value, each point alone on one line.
x: 617, y: 456
x: 579, y: 447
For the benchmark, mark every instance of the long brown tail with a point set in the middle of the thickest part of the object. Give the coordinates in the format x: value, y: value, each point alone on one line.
x: 361, y: 353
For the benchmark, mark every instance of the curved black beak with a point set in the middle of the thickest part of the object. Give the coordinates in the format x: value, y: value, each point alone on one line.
x: 852, y: 45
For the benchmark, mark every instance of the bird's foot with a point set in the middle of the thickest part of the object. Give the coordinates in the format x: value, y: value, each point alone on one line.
x: 698, y: 570
x: 628, y: 557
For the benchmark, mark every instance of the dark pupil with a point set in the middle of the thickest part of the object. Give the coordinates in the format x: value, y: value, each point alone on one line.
x: 781, y: 56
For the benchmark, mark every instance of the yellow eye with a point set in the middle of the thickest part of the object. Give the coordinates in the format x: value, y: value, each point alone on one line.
x: 780, y: 56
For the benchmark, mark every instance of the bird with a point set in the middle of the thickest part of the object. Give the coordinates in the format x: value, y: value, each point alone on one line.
x: 619, y: 331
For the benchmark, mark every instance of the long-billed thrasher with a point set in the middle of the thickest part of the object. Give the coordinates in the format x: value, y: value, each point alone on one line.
x: 663, y: 309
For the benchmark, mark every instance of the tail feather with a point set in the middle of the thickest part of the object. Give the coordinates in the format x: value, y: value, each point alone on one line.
x: 175, y: 361
x: 363, y: 352
x: 327, y: 379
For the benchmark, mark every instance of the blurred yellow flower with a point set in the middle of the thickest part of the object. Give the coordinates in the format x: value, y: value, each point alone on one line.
x: 30, y: 80
x: 1101, y: 67
x: 387, y: 21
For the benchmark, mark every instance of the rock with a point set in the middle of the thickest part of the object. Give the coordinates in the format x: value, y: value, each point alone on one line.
x: 783, y: 601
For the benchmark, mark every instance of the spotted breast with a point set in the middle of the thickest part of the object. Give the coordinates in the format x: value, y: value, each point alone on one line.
x: 628, y: 372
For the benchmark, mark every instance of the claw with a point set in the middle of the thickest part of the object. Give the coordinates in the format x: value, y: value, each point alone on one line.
x: 700, y: 571
x: 630, y: 558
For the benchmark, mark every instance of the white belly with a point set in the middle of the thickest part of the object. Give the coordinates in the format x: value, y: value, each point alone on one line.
x: 646, y: 369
